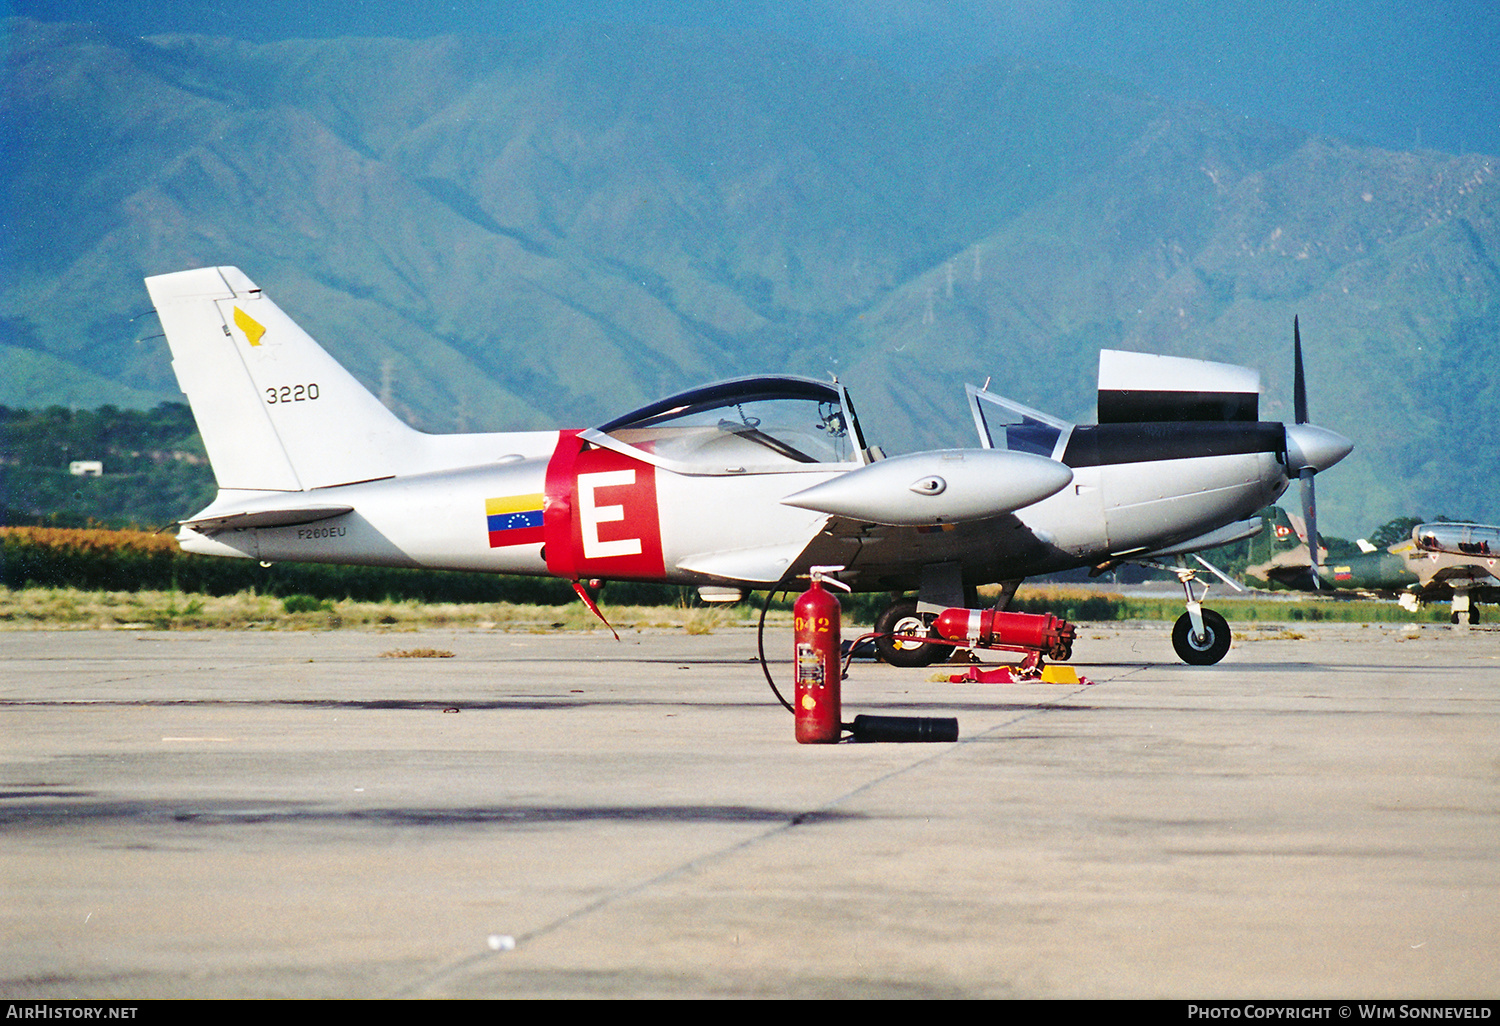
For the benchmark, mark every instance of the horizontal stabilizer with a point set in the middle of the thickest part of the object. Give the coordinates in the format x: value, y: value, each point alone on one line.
x: 1140, y: 388
x: 243, y: 519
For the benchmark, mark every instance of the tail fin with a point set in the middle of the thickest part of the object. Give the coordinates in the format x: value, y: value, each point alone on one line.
x: 1288, y: 563
x: 276, y: 412
x: 1289, y: 531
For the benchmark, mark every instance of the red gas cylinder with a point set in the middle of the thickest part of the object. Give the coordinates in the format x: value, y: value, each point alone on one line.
x: 993, y: 628
x: 819, y: 664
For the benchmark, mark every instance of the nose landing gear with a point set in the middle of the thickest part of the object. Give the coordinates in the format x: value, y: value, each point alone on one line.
x: 1201, y: 647
x: 1200, y: 636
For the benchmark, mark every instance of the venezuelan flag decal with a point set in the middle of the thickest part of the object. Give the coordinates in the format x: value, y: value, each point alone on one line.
x: 514, y: 520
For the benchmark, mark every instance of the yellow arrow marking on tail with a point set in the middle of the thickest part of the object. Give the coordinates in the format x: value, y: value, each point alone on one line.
x: 252, y: 328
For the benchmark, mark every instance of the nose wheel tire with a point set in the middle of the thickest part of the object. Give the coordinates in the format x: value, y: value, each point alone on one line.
x: 1205, y: 650
x: 900, y: 629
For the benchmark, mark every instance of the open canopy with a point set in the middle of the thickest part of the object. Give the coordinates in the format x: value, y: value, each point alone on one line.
x: 761, y: 423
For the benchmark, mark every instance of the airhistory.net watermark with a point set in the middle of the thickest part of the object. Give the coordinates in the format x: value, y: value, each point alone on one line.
x: 52, y: 1010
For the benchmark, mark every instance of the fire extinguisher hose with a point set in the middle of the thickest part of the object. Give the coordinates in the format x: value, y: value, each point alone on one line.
x: 760, y: 644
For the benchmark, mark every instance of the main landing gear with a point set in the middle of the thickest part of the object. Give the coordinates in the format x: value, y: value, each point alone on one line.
x: 899, y: 634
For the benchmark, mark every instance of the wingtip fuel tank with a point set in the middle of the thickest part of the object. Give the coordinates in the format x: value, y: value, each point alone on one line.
x: 942, y: 487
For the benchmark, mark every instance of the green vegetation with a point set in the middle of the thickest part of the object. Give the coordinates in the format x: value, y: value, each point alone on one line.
x: 105, y: 560
x: 306, y: 604
x: 73, y: 608
x: 1076, y: 604
x: 154, y: 466
x: 43, y: 608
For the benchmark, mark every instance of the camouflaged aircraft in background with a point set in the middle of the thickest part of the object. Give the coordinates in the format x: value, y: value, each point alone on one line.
x: 1458, y: 563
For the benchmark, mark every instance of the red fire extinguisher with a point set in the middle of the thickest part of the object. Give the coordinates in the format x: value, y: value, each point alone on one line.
x: 995, y: 628
x: 818, y: 659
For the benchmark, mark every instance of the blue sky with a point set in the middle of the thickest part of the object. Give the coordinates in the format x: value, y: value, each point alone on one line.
x: 1394, y: 73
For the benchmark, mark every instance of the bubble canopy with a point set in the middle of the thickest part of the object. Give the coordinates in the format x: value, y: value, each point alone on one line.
x: 760, y: 424
x: 1463, y: 539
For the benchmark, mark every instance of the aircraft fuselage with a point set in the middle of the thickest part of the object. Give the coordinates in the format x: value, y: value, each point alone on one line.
x: 590, y: 512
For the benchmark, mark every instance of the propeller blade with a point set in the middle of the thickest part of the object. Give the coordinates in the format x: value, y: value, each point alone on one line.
x: 1310, y: 516
x: 1299, y: 383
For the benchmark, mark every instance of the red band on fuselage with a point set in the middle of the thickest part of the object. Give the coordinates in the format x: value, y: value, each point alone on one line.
x: 600, y: 518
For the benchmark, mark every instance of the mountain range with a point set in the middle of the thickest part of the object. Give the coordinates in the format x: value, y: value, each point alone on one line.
x: 544, y: 228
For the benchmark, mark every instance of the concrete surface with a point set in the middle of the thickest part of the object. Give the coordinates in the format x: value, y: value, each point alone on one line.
x: 294, y: 815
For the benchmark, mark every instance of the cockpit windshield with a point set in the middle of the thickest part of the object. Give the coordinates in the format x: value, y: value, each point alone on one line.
x: 759, y: 423
x: 1006, y: 424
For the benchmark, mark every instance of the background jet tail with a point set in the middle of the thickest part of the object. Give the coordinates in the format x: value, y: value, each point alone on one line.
x: 276, y: 412
x: 1289, y: 563
x: 1289, y: 532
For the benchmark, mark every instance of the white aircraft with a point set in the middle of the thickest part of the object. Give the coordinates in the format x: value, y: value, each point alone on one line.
x: 735, y: 486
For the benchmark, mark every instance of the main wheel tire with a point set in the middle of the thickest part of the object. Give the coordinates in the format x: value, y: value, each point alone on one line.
x: 899, y: 628
x: 1203, y: 651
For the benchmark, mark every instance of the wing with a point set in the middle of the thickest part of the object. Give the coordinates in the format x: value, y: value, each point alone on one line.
x: 881, y: 557
x: 1471, y: 574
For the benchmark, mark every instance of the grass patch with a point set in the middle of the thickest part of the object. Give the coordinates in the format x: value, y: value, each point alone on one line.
x: 35, y: 608
x: 43, y: 608
x: 1082, y: 604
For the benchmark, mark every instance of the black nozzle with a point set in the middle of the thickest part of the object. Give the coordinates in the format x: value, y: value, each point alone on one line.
x: 904, y: 728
